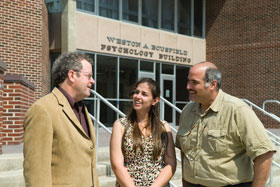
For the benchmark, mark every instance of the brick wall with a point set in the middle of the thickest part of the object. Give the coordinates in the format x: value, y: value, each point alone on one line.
x: 243, y: 40
x: 24, y: 47
x: 3, y: 68
x: 18, y: 97
x: 24, y: 41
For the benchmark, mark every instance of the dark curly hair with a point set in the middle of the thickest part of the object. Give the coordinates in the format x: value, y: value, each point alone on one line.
x: 66, y: 62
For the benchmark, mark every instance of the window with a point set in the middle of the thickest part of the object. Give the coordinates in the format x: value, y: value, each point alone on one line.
x: 130, y: 10
x: 167, y: 69
x: 198, y: 17
x: 53, y: 57
x: 182, y: 73
x: 167, y: 14
x: 87, y: 5
x: 147, y: 66
x: 109, y: 8
x: 150, y: 13
x: 106, y: 85
x: 128, y: 76
x: 184, y: 17
x: 53, y: 6
x: 106, y: 76
x: 182, y: 95
x: 90, y: 103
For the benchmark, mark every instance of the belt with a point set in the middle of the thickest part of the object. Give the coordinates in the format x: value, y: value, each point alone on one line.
x: 245, y: 184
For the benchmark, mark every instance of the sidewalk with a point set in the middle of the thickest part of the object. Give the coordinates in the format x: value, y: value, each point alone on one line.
x: 10, y: 149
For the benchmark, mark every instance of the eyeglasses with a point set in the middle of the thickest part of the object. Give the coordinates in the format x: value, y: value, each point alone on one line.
x: 88, y: 75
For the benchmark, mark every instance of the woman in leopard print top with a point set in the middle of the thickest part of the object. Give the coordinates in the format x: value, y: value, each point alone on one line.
x: 141, y: 148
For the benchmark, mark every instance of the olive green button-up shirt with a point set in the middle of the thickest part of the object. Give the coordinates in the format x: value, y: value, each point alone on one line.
x: 220, y: 145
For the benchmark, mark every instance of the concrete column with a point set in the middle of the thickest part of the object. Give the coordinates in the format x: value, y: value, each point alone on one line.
x: 68, y: 26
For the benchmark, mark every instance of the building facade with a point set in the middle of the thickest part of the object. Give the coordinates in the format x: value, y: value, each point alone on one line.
x: 130, y: 39
x: 24, y: 49
x: 243, y: 40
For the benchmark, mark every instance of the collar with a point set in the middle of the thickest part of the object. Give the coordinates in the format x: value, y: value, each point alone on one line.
x: 215, y: 106
x: 69, y: 98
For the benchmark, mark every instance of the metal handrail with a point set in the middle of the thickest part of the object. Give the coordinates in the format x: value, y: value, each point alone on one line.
x: 100, y: 124
x: 172, y: 106
x: 270, y: 115
x: 262, y: 110
x: 108, y: 103
x: 270, y: 101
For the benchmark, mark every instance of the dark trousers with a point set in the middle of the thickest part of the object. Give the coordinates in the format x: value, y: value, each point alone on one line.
x: 245, y: 184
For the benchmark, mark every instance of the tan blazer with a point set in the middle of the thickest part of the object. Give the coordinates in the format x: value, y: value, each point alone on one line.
x: 57, y: 151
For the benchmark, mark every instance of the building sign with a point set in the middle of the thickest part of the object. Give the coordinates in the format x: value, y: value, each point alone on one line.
x: 143, y: 50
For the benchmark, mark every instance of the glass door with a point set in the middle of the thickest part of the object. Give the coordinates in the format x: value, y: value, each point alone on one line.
x: 168, y: 92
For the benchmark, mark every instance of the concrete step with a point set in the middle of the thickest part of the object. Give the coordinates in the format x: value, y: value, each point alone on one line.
x: 12, y: 178
x: 107, y: 181
x: 10, y: 162
x: 14, y: 161
x: 275, y: 182
x: 11, y: 170
x: 104, y: 169
x: 177, y: 182
x: 103, y: 154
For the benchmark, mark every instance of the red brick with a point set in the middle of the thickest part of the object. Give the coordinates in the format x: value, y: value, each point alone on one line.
x: 242, y: 38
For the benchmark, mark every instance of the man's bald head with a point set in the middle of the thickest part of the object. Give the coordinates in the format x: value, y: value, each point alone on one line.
x: 211, y: 73
x: 205, y: 65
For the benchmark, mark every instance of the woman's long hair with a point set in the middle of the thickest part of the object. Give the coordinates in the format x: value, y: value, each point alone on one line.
x: 158, y: 131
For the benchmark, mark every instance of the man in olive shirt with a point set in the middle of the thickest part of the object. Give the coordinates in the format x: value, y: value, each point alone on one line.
x: 222, y: 141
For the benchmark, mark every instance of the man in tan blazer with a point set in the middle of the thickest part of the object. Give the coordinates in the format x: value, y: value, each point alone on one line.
x: 59, y: 138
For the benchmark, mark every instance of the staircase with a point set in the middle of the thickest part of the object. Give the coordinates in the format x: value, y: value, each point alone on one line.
x: 11, y: 165
x: 11, y: 170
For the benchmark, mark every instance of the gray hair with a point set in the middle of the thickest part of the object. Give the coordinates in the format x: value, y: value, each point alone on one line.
x: 212, y: 74
x: 66, y: 62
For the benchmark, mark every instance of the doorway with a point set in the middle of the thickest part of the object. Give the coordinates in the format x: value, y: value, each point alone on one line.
x: 168, y: 92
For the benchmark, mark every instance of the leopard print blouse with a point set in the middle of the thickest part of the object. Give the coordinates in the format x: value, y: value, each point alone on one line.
x: 140, y: 165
